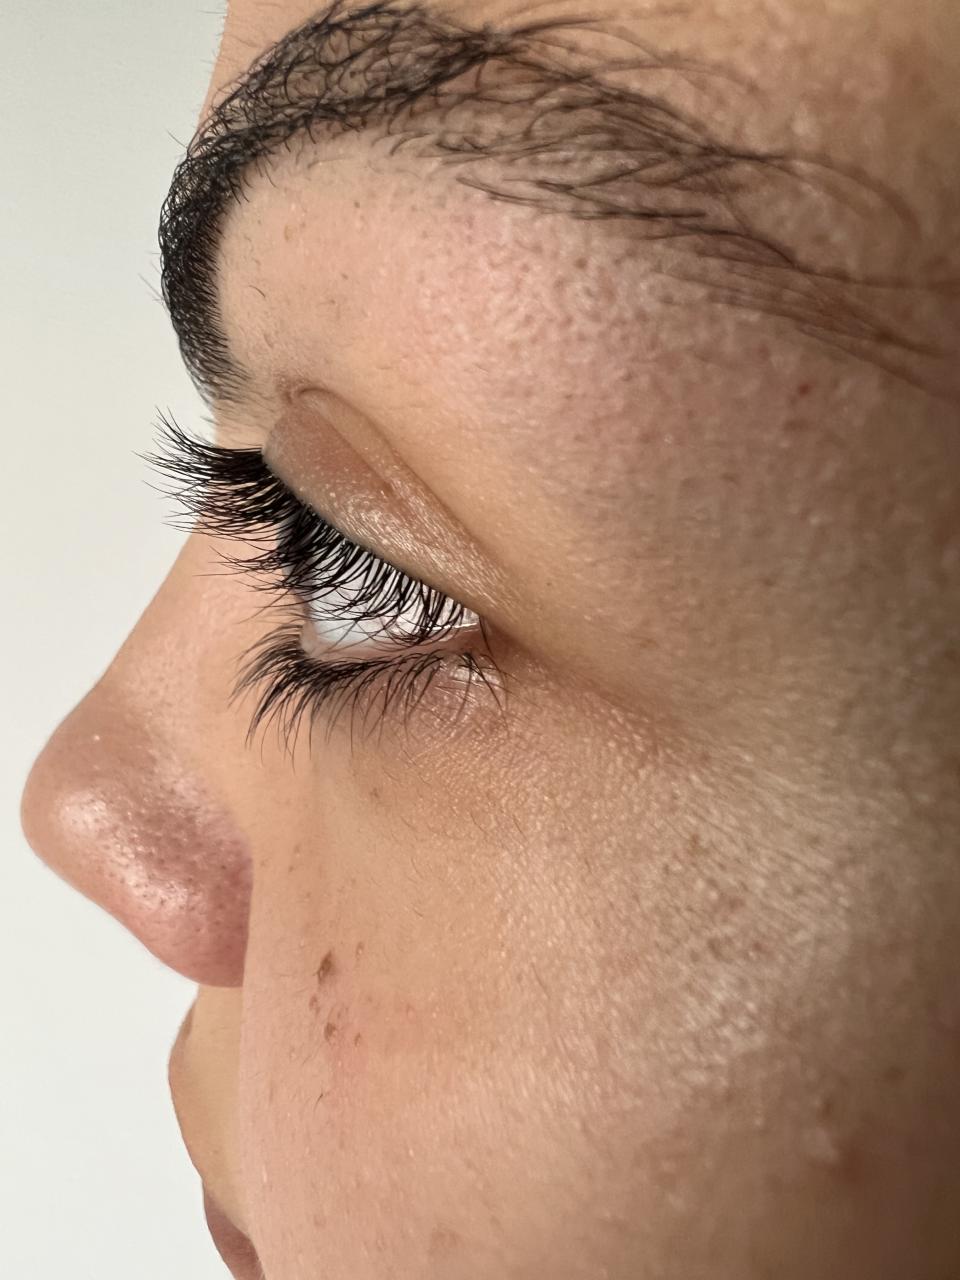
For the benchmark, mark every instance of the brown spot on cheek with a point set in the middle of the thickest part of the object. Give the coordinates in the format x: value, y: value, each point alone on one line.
x: 331, y: 1031
x: 443, y: 1242
x: 326, y: 968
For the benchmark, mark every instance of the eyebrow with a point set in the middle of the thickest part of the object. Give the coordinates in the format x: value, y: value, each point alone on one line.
x: 525, y: 117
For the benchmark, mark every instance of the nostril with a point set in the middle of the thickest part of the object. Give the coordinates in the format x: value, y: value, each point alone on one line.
x: 124, y: 820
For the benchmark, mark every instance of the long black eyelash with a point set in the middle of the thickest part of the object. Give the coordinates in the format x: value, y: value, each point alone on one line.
x: 297, y: 556
x: 232, y: 493
x: 296, y: 687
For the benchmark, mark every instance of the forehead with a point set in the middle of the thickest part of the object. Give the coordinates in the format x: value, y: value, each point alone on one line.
x: 754, y: 104
x: 925, y: 32
x: 914, y: 47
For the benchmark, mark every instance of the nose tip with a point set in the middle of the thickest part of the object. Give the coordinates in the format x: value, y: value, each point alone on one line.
x: 122, y: 818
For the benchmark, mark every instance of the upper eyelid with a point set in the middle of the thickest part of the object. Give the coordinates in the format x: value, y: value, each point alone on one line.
x: 211, y: 475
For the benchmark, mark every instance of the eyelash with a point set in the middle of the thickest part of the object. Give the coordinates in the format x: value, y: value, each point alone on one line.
x: 298, y: 557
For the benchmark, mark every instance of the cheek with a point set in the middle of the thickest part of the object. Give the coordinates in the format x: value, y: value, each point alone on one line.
x: 527, y: 1015
x: 406, y: 1094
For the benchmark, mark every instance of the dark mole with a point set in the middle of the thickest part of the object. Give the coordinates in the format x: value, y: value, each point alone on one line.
x: 325, y: 968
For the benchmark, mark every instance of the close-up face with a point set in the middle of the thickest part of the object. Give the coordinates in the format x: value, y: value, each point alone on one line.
x: 543, y: 752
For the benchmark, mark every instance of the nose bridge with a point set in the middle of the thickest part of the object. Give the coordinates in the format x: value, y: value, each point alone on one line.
x: 120, y: 803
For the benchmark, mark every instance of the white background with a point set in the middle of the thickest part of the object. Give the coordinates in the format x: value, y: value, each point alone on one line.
x: 96, y: 103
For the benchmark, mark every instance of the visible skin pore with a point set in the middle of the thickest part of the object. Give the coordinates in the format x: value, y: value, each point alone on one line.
x: 652, y: 976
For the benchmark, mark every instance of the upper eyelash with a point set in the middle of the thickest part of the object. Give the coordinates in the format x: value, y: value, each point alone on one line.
x: 296, y: 553
x: 233, y: 493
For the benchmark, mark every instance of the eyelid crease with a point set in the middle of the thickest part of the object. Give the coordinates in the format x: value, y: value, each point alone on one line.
x: 336, y: 460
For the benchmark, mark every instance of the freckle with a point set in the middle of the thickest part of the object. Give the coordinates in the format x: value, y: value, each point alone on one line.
x: 695, y: 846
x: 411, y: 1012
x: 803, y: 389
x: 325, y: 967
x: 330, y: 1031
x: 314, y: 1003
x: 357, y: 1039
x: 443, y: 1242
x: 359, y: 952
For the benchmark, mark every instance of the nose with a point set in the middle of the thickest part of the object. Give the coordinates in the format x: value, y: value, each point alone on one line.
x: 122, y: 802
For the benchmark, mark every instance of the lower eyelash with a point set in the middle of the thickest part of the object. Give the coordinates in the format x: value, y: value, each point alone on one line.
x: 293, y: 688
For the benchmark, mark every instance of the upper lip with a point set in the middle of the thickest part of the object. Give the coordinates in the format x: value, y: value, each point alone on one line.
x: 194, y: 1151
x: 233, y: 1246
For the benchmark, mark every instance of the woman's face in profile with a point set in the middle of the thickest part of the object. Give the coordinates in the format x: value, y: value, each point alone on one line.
x: 554, y: 791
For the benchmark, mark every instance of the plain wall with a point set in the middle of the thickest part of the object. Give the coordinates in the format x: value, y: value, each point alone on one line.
x: 98, y: 100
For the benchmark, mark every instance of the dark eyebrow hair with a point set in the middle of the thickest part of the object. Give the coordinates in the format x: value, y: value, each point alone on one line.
x: 501, y: 105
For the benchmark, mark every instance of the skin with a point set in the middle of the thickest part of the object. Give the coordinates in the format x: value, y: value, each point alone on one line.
x: 652, y: 975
